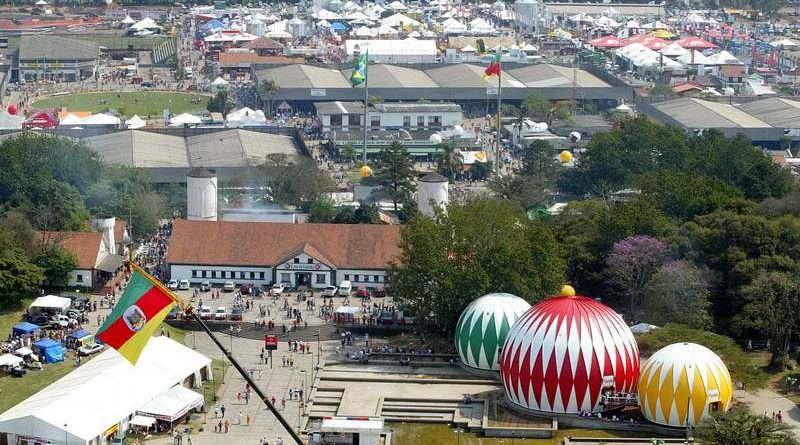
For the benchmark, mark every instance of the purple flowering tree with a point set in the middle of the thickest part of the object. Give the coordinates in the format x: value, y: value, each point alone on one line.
x: 630, y: 265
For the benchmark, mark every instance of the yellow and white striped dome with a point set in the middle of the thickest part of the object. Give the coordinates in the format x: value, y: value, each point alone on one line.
x: 684, y: 381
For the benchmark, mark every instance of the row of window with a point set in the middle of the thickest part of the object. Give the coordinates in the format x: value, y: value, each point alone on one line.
x: 286, y: 277
x: 354, y: 120
x: 227, y: 274
x: 320, y: 278
x: 364, y: 278
x: 433, y: 121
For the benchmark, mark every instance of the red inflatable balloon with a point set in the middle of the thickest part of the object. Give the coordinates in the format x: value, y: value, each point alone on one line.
x: 12, y: 109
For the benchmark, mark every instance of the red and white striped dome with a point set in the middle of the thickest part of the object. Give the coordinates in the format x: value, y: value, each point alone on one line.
x: 561, y: 354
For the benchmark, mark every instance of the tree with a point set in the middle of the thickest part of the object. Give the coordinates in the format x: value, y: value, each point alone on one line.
x: 268, y: 88
x: 541, y: 109
x: 773, y: 307
x: 366, y: 214
x: 472, y: 249
x: 449, y: 161
x: 19, y: 278
x: 678, y: 293
x: 739, y: 427
x: 632, y: 263
x: 290, y: 182
x: 394, y: 172
x: 408, y: 210
x: 220, y: 103
x: 539, y: 161
x: 321, y: 210
x: 349, y: 152
x: 56, y: 264
x: 684, y: 195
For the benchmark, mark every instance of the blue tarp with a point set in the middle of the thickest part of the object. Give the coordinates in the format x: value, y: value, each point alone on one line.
x: 338, y: 26
x: 79, y: 334
x: 212, y: 25
x: 24, y: 328
x: 51, y: 350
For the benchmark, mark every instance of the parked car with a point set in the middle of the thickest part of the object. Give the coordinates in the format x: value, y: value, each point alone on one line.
x: 78, y: 302
x: 246, y: 288
x: 172, y: 285
x: 39, y: 319
x: 16, y: 371
x: 236, y: 314
x: 379, y: 292
x: 173, y: 313
x: 221, y: 313
x: 205, y: 286
x: 330, y: 291
x: 61, y: 321
x: 228, y: 286
x: 92, y: 348
x: 184, y: 285
x: 363, y: 292
x: 277, y: 289
x: 205, y: 313
x: 257, y: 291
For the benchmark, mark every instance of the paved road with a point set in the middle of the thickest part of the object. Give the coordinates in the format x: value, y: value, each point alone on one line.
x: 767, y: 401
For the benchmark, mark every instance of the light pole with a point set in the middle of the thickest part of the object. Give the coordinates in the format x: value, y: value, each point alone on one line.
x: 66, y: 435
x: 318, y: 346
x: 458, y: 435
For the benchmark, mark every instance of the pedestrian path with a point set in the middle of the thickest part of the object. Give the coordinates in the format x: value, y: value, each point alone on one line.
x: 768, y: 401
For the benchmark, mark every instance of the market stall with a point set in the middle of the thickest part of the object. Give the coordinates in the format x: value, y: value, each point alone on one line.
x: 50, y: 350
x: 49, y: 304
x: 24, y: 328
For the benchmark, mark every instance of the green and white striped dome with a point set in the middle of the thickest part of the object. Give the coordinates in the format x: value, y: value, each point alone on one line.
x: 483, y: 326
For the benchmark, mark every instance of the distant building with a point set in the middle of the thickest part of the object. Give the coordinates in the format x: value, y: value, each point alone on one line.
x: 410, y: 116
x: 56, y: 58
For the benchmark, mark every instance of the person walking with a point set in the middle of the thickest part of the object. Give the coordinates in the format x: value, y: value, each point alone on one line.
x: 239, y: 417
x: 222, y: 409
x: 227, y: 425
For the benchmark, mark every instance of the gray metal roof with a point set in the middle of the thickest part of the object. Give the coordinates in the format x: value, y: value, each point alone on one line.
x: 547, y: 75
x: 416, y: 107
x: 136, y: 148
x: 304, y: 76
x: 339, y: 107
x: 696, y: 113
x: 464, y: 75
x: 626, y: 9
x: 57, y: 48
x: 393, y: 76
x: 776, y: 111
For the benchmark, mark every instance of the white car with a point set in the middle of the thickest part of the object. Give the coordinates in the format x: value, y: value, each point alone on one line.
x: 221, y: 313
x: 184, y: 285
x: 229, y: 286
x: 205, y: 313
x: 61, y: 321
x: 172, y: 285
x: 330, y: 291
x: 90, y: 349
x: 277, y: 289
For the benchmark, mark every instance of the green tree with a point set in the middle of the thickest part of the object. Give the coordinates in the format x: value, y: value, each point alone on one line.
x: 291, y: 182
x: 366, y: 214
x: 394, y: 172
x: 220, y: 103
x: 56, y: 264
x: 408, y: 210
x: 127, y: 192
x: 739, y: 427
x: 268, y: 88
x: 349, y: 152
x: 449, y: 161
x: 19, y: 277
x: 474, y: 248
x: 773, y: 307
x: 683, y: 195
x: 539, y: 108
x: 345, y: 215
x: 678, y: 293
x: 321, y: 210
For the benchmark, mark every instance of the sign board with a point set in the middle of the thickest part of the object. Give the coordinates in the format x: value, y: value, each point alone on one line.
x: 318, y: 92
x: 301, y: 266
x: 713, y: 396
x: 271, y: 342
x: 608, y: 381
x: 491, y: 91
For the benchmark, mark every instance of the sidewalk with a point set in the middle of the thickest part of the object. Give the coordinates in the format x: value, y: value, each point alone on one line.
x: 768, y: 401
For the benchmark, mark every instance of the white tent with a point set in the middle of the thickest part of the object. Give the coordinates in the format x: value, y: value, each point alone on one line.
x: 724, y: 58
x: 11, y: 121
x: 468, y: 49
x: 480, y: 26
x: 365, y: 31
x: 356, y: 16
x: 245, y: 117
x: 100, y: 119
x: 399, y: 21
x: 128, y: 20
x: 324, y: 14
x: 49, y: 302
x: 135, y: 122
x: 23, y: 351
x: 102, y: 393
x: 658, y: 24
x: 606, y: 22
x: 9, y: 360
x: 219, y: 82
x: 396, y: 6
x: 145, y: 24
x: 184, y: 119
x: 673, y: 50
x: 70, y: 119
x: 633, y: 24
x: 384, y: 30
x: 786, y: 43
x: 694, y: 57
x: 643, y: 328
x: 172, y: 404
x: 278, y: 35
x: 695, y: 18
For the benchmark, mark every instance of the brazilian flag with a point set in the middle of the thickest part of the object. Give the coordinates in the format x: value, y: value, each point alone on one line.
x: 359, y: 74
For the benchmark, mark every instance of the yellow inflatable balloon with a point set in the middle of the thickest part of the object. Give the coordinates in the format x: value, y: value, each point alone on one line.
x: 567, y: 291
x: 365, y: 171
x: 565, y: 156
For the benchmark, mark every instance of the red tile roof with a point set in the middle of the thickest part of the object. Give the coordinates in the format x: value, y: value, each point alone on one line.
x: 85, y: 245
x: 685, y: 86
x: 264, y: 43
x: 347, y: 246
x: 733, y: 71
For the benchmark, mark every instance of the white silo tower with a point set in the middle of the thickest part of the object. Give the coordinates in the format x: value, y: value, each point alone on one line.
x: 201, y: 195
x: 432, y: 192
x: 106, y: 227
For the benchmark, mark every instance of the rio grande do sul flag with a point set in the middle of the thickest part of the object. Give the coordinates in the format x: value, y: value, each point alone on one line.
x: 141, y: 309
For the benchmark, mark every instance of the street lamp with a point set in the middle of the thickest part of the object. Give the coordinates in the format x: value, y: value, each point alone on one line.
x: 66, y: 437
x: 318, y: 346
x: 458, y: 435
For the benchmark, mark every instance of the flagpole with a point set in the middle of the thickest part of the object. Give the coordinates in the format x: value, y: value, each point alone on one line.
x: 366, y: 108
x: 499, y: 95
x: 188, y: 309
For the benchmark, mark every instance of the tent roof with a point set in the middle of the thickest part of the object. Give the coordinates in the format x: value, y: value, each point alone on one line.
x: 51, y: 301
x: 80, y: 333
x: 172, y: 403
x: 185, y: 118
x: 81, y: 398
x: 9, y: 360
x: 135, y: 122
x: 26, y: 327
x: 46, y: 343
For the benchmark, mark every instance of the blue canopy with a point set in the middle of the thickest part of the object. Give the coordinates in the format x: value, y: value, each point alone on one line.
x: 24, y: 328
x: 338, y: 26
x: 79, y: 334
x: 51, y: 349
x: 213, y: 24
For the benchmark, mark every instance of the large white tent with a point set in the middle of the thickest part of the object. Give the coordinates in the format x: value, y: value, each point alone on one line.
x: 52, y: 302
x: 135, y: 122
x: 185, y: 119
x: 102, y: 394
x: 172, y: 404
x: 9, y: 360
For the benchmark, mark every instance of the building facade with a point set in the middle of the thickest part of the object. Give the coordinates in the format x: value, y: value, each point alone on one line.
x: 349, y: 116
x: 56, y: 58
x: 311, y: 255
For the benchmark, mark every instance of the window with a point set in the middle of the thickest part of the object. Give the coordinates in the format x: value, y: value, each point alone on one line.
x: 79, y: 278
x: 346, y: 277
x: 375, y: 122
x: 242, y: 275
x: 376, y: 278
x: 261, y: 275
x: 321, y: 279
x: 213, y: 274
x: 310, y: 261
x: 296, y: 260
x: 354, y: 120
x: 205, y: 273
x: 420, y: 121
x: 194, y: 274
x: 434, y: 122
x: 286, y: 278
x: 252, y: 275
x: 406, y: 121
x: 336, y: 120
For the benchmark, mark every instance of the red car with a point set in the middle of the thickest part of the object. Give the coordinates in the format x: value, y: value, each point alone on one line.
x: 363, y: 292
x: 246, y: 289
x: 379, y: 292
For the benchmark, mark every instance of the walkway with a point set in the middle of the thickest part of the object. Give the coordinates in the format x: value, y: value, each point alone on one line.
x: 768, y: 401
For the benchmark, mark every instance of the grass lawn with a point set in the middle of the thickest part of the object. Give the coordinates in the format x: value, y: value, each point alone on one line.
x: 142, y: 103
x: 14, y: 389
x: 9, y: 318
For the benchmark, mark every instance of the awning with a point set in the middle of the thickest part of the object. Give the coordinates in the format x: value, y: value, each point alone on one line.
x: 9, y: 360
x: 172, y: 404
x: 110, y: 263
x: 144, y: 421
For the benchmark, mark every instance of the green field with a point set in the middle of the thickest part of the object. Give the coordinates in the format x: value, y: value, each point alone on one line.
x: 144, y: 104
